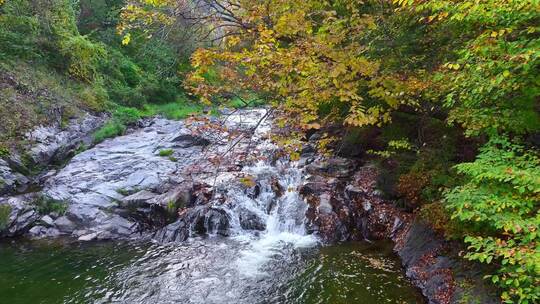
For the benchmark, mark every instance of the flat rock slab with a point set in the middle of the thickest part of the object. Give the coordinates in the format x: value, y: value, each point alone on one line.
x: 96, y: 181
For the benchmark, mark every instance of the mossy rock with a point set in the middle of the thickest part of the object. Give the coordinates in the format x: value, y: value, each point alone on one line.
x: 5, y: 212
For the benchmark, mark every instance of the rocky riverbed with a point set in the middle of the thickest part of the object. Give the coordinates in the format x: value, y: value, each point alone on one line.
x: 169, y: 181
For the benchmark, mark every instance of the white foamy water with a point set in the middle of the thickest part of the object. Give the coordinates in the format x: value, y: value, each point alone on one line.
x: 283, y: 216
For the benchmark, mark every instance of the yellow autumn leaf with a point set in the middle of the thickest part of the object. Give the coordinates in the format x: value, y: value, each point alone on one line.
x: 126, y: 39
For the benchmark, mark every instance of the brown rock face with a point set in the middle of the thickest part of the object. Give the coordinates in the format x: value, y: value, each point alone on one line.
x: 349, y: 207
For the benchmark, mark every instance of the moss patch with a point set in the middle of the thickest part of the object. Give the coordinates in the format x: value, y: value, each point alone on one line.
x: 5, y: 211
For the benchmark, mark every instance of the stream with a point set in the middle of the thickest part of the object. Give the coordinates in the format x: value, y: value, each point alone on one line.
x: 255, y: 249
x: 199, y: 271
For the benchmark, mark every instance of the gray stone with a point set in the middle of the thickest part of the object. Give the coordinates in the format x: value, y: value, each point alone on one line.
x: 94, y: 181
x: 179, y: 196
x: 197, y: 220
x: 54, y: 143
x: 88, y: 237
x: 39, y: 232
x: 36, y: 231
x: 333, y: 167
x: 173, y: 233
x: 47, y: 220
x: 188, y: 139
x: 139, y: 199
x: 250, y: 220
x: 64, y: 224
x: 22, y: 214
x: 10, y: 180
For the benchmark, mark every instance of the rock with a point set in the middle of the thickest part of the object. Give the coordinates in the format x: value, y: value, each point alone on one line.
x: 47, y: 220
x: 333, y: 167
x: 139, y: 199
x: 419, y: 239
x: 55, y: 144
x: 250, y: 220
x: 95, y: 183
x: 17, y: 215
x: 179, y: 197
x: 317, y: 185
x: 188, y: 139
x: 175, y: 232
x: 64, y: 224
x: 96, y: 180
x: 197, y: 220
x: 39, y: 232
x: 88, y: 237
x: 432, y: 264
x: 11, y: 181
x: 208, y: 220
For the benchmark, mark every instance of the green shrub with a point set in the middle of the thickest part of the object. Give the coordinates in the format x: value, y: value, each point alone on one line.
x: 126, y: 96
x: 83, y: 56
x: 19, y: 30
x: 499, y: 203
x: 94, y: 97
x: 3, y: 151
x: 126, y: 115
x: 109, y: 130
x: 122, y: 117
x: 5, y: 211
x: 173, y: 110
x: 46, y: 205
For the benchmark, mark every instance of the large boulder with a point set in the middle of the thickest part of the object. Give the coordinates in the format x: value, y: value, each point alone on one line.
x: 55, y: 143
x: 199, y: 220
x: 187, y: 139
x: 17, y: 215
x: 333, y: 167
x: 249, y: 220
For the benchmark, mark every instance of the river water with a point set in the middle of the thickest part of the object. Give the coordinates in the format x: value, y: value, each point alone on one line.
x: 199, y: 271
x: 280, y: 263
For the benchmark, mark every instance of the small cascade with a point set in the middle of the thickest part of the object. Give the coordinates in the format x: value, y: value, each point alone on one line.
x: 264, y: 214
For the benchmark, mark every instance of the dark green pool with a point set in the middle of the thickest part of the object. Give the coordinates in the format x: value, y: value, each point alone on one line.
x: 198, y: 272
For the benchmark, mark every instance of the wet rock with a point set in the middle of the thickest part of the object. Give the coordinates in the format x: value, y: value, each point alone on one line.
x: 18, y: 215
x: 432, y: 264
x: 10, y: 180
x: 276, y: 187
x: 418, y: 240
x: 197, y: 220
x: 54, y: 144
x: 253, y: 192
x: 334, y: 167
x: 208, y: 220
x: 175, y: 232
x: 38, y: 232
x: 317, y: 185
x: 249, y: 220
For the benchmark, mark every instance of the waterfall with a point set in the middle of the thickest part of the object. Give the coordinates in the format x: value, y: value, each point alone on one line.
x: 282, y: 215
